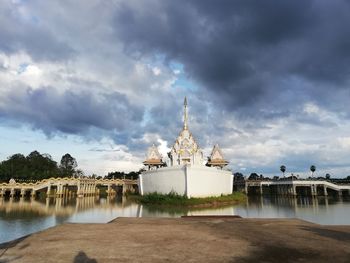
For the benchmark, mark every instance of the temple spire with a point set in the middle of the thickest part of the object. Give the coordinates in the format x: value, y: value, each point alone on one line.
x: 185, y: 114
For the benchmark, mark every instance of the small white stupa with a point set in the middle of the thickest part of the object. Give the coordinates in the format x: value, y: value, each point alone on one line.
x: 187, y: 173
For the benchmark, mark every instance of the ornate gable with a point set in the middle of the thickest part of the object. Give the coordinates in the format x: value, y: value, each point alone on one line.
x: 217, y: 158
x: 154, y: 158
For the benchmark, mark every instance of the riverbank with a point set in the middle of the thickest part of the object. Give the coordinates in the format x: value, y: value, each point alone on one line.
x: 184, y: 240
x: 174, y: 200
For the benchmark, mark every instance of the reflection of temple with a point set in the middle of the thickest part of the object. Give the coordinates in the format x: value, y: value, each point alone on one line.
x: 186, y: 173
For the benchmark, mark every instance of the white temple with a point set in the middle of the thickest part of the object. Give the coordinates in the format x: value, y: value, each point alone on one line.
x: 187, y: 173
x: 185, y: 150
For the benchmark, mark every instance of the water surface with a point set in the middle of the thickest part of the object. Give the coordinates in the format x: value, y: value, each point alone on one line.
x: 19, y: 217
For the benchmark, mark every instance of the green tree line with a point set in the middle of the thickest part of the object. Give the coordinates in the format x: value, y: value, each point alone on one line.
x: 123, y: 175
x: 37, y: 166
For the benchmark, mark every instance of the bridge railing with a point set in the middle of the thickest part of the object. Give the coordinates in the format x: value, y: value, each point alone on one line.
x: 65, y: 180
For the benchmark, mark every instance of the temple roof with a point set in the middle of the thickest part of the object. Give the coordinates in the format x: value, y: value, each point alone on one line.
x: 153, y: 156
x: 216, y: 157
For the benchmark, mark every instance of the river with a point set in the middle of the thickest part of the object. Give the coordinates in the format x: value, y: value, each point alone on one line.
x: 20, y: 217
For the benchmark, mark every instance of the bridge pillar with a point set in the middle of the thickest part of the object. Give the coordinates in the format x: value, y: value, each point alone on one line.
x: 23, y: 192
x: 282, y: 190
x: 2, y: 192
x: 33, y: 192
x: 91, y: 189
x: 48, y: 192
x: 313, y: 190
x: 124, y: 188
x: 86, y: 185
x: 12, y: 193
x: 340, y: 193
x: 82, y: 189
x: 294, y: 190
x: 59, y: 192
x: 261, y: 189
x: 78, y: 189
x: 64, y: 191
x: 325, y: 193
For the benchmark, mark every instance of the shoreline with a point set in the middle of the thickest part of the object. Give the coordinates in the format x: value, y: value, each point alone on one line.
x: 173, y: 200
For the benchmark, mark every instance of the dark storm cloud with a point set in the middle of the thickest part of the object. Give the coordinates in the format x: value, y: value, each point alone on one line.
x: 28, y: 33
x: 248, y: 54
x: 70, y: 112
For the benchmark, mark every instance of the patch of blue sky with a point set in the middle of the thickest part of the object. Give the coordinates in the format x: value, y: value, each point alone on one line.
x: 34, y: 20
x: 146, y: 118
x: 176, y: 67
x: 182, y: 82
x: 22, y: 67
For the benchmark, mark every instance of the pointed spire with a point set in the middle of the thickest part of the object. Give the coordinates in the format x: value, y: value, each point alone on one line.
x: 185, y: 114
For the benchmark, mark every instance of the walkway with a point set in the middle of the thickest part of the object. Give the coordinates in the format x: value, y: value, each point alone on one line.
x: 184, y: 240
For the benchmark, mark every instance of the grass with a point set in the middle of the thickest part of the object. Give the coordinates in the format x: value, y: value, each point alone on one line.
x: 174, y: 199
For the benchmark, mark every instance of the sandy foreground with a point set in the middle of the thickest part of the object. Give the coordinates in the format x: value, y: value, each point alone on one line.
x: 184, y: 240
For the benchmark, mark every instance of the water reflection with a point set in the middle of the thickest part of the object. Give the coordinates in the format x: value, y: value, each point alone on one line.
x: 19, y: 217
x: 321, y: 210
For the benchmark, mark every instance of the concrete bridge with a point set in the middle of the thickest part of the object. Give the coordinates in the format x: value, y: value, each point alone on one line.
x: 62, y: 187
x: 295, y: 187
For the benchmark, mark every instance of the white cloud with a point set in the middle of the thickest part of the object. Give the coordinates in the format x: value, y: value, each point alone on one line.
x: 163, y: 148
x: 156, y: 71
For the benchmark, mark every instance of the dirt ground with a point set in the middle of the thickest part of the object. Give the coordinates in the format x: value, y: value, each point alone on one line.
x: 184, y: 240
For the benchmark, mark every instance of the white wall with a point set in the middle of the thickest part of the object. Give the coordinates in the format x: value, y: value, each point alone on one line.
x: 164, y: 180
x: 205, y: 181
x: 193, y: 181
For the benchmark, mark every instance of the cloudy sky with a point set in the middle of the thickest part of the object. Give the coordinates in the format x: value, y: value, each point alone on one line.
x: 102, y: 80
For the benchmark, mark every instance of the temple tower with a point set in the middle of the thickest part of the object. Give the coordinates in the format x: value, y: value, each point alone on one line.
x: 185, y: 115
x: 185, y: 149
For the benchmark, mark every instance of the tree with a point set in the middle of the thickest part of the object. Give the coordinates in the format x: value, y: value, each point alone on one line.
x: 312, y: 169
x: 68, y: 165
x: 41, y: 166
x: 14, y: 167
x: 79, y: 173
x: 283, y: 169
x: 35, y: 166
x: 238, y: 177
x: 253, y: 176
x: 328, y: 176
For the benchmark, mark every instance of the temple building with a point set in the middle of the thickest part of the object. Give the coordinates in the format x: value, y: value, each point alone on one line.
x: 153, y: 159
x: 216, y: 158
x: 187, y: 173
